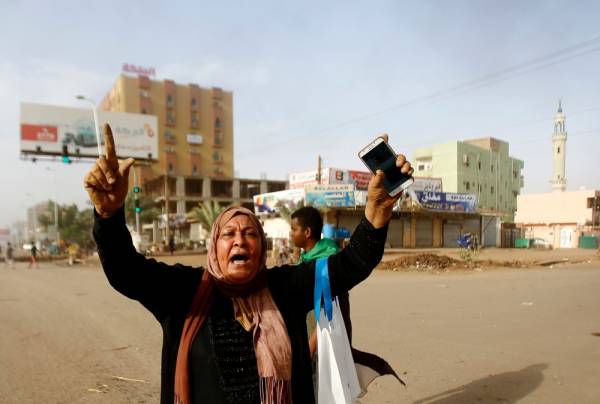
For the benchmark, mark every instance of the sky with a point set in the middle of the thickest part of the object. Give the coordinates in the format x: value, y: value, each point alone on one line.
x: 312, y: 78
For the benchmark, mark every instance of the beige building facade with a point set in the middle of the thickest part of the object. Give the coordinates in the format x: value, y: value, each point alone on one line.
x: 559, y: 217
x: 195, y: 125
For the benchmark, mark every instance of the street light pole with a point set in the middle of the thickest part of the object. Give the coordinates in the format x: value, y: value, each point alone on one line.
x: 95, y: 111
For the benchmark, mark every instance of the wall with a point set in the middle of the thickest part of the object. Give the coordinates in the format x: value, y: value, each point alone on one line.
x: 555, y: 207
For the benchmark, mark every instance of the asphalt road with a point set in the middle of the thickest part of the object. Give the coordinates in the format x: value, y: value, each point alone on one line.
x: 499, y: 336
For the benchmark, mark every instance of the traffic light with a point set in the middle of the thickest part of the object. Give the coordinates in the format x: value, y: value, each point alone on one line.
x: 138, y: 209
x: 136, y: 189
x: 65, y: 155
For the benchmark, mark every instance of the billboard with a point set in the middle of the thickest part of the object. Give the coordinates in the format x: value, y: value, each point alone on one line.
x: 448, y: 202
x: 329, y: 195
x: 49, y: 130
x: 272, y: 201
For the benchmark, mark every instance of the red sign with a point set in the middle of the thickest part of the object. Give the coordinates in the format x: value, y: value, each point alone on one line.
x: 360, y: 178
x: 39, y: 133
x: 142, y: 71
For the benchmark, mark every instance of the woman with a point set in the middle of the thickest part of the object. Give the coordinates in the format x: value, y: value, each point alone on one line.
x: 233, y: 332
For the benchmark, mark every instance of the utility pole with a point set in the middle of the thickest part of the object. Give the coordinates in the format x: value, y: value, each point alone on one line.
x: 318, y: 176
x: 56, y: 223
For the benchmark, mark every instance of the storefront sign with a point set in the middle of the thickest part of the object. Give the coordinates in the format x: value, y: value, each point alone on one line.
x: 447, y: 202
x: 332, y: 195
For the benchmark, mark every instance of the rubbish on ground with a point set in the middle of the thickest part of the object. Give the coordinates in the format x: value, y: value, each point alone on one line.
x: 102, y: 388
x: 127, y: 379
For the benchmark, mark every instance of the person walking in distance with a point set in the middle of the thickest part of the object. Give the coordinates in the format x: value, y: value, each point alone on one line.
x: 9, y: 256
x: 33, y: 258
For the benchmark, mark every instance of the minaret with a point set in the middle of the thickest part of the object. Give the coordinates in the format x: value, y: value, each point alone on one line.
x: 559, y: 145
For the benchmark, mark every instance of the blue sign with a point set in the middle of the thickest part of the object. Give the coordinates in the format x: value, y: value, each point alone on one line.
x: 447, y: 202
x: 332, y: 195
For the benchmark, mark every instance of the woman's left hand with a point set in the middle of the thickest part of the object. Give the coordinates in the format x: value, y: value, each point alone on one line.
x: 379, y: 203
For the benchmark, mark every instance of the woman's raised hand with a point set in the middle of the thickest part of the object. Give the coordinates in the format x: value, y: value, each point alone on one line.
x: 379, y: 203
x: 108, y: 180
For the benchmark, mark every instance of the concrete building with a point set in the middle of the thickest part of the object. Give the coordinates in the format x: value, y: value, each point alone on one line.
x: 478, y: 166
x: 195, y: 125
x: 185, y: 192
x: 559, y: 217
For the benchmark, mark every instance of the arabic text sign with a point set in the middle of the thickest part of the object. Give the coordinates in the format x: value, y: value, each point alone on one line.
x: 142, y: 71
x: 333, y: 195
x: 47, y: 129
x: 427, y: 184
x: 448, y: 202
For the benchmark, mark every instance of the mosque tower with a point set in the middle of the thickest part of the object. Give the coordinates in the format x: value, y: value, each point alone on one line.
x: 559, y: 151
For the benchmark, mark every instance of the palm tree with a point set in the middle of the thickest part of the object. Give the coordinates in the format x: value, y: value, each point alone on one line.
x: 287, y: 208
x: 206, y: 213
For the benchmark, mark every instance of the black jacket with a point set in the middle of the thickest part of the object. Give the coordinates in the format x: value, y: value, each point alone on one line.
x: 167, y: 291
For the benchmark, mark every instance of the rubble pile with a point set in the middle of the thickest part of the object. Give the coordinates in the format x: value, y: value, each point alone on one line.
x: 435, y: 262
x: 421, y: 262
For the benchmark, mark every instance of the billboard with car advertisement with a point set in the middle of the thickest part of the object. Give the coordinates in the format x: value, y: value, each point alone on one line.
x: 51, y: 130
x: 271, y: 202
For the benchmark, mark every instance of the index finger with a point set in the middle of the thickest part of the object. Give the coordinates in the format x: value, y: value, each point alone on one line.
x: 109, y: 144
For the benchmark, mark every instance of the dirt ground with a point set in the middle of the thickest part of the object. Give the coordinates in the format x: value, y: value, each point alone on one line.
x: 489, y: 336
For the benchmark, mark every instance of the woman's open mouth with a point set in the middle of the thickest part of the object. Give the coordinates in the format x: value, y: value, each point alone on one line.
x: 239, y: 259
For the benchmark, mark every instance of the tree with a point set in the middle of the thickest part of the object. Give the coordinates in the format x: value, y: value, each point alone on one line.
x: 75, y: 226
x: 287, y: 208
x: 206, y: 213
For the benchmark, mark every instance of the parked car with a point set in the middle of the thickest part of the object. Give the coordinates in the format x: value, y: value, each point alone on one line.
x: 540, y: 243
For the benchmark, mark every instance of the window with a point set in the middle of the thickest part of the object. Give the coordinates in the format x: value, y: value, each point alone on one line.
x: 218, y: 139
x: 421, y: 167
x: 590, y: 203
x: 170, y: 118
x: 467, y: 185
x: 249, y: 189
x: 169, y: 100
x: 194, y: 121
x: 169, y: 136
x: 558, y: 150
x: 217, y: 123
x: 195, y: 170
x: 492, y: 189
x: 193, y: 186
x: 479, y: 164
x: 194, y: 103
x: 170, y: 169
x: 492, y: 167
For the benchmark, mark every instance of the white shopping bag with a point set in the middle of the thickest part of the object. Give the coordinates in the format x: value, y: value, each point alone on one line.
x: 337, y: 379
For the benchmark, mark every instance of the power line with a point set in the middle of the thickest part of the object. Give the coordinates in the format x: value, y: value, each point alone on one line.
x: 508, y: 73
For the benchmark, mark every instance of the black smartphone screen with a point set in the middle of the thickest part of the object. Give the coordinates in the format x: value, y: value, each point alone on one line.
x: 382, y: 158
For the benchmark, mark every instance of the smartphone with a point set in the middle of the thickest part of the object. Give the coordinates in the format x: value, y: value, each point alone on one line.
x: 378, y: 155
